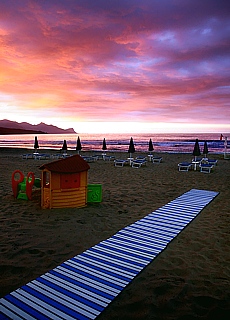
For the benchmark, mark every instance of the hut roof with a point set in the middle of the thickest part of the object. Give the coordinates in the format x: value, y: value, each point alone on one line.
x: 73, y: 164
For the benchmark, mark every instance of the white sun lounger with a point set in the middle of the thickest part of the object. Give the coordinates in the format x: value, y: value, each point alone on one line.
x: 184, y: 166
x: 138, y: 163
x: 205, y: 167
x: 157, y: 159
x: 82, y: 287
x: 120, y: 163
x: 212, y: 162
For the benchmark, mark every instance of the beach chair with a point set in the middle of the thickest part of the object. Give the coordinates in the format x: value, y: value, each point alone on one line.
x: 120, y: 163
x: 157, y: 159
x: 27, y: 156
x: 43, y: 156
x: 197, y: 160
x: 141, y: 158
x: 212, y: 162
x: 109, y: 158
x: 184, y: 166
x: 138, y: 163
x: 89, y: 159
x: 205, y: 167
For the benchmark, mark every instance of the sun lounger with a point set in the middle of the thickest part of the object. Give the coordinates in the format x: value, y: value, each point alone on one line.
x: 197, y: 160
x: 27, y: 156
x: 36, y: 156
x: 109, y: 158
x: 43, y: 156
x: 83, y: 286
x: 138, y: 163
x: 184, y: 166
x: 212, y: 162
x: 89, y: 159
x: 141, y: 158
x: 157, y: 159
x: 120, y: 163
x: 205, y: 167
x: 61, y: 155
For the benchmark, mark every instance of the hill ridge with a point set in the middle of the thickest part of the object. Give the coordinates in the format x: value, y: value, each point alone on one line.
x: 14, y: 127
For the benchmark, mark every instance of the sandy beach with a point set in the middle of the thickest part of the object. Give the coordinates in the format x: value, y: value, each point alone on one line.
x: 188, y: 280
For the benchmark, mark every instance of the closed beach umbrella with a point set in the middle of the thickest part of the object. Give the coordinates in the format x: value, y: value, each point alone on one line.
x: 36, y: 146
x: 104, y: 145
x: 131, y: 147
x: 196, y: 150
x: 78, y: 147
x: 205, y: 151
x: 64, y: 147
x: 150, y: 146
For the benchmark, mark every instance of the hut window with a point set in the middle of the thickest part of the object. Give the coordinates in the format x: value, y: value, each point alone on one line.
x: 69, y: 181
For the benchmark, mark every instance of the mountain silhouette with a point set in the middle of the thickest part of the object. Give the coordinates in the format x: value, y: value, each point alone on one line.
x: 13, y: 127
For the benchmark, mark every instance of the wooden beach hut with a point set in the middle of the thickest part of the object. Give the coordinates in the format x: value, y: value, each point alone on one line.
x: 64, y: 183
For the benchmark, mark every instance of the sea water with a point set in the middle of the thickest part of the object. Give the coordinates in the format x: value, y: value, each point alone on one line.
x: 171, y: 143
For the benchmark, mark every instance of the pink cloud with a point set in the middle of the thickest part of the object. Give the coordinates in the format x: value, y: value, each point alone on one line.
x: 103, y: 60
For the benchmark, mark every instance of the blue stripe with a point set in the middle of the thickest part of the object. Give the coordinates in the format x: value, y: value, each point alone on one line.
x: 25, y: 307
x: 100, y: 269
x: 130, y: 254
x: 54, y: 303
x: 127, y: 244
x: 110, y: 255
x: 82, y: 285
x: 152, y: 244
x: 143, y: 233
x: 90, y: 276
x: 110, y: 264
x: 134, y: 241
x: 69, y: 293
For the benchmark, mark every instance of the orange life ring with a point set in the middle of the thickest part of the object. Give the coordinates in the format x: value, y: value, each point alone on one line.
x: 15, y: 183
x: 29, y: 184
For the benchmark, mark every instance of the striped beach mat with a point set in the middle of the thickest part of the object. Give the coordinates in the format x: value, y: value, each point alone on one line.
x: 82, y: 287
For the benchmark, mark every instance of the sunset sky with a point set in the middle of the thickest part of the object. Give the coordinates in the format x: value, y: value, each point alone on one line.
x: 116, y: 66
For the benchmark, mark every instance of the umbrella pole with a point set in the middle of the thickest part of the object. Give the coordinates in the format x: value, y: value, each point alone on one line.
x: 130, y: 159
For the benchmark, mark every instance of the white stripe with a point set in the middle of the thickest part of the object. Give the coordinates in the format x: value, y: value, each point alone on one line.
x: 82, y: 292
x: 179, y: 217
x: 99, y: 274
x: 172, y: 222
x: 62, y: 299
x: 40, y: 305
x: 105, y: 266
x: 149, y: 241
x: 137, y: 225
x: 143, y: 230
x: 116, y: 244
x: 119, y: 254
x: 175, y: 213
x: 136, y: 246
x: 149, y: 229
x: 161, y: 233
x: 113, y: 260
x: 87, y: 281
x: 161, y: 244
x: 13, y: 312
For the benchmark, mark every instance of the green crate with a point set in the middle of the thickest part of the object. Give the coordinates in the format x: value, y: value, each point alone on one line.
x: 94, y: 193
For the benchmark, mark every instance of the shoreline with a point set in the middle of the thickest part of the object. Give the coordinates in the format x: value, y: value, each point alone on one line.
x: 190, y: 278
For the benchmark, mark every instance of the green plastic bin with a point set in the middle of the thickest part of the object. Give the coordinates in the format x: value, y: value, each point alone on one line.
x: 94, y: 193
